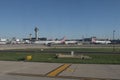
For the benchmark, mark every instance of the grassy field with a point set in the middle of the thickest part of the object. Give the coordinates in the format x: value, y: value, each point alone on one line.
x: 38, y: 56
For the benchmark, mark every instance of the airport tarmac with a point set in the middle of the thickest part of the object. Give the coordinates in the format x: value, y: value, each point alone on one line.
x: 11, y: 70
x: 32, y: 46
x: 21, y: 46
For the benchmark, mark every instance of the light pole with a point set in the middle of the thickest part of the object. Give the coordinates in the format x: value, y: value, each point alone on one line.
x: 113, y: 41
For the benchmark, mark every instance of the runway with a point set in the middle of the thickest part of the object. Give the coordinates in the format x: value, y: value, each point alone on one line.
x: 38, y: 46
x: 21, y: 46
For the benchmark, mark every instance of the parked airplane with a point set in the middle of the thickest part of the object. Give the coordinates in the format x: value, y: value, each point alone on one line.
x: 71, y: 42
x: 50, y: 42
x: 95, y: 41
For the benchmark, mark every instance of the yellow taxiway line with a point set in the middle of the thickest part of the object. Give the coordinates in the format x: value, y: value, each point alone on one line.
x: 58, y: 70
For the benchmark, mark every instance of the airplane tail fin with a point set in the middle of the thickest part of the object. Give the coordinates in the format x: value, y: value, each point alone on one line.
x: 93, y: 40
x: 63, y: 40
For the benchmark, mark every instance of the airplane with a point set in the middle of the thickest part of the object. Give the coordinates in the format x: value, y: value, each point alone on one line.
x: 100, y: 41
x: 71, y: 42
x: 51, y: 42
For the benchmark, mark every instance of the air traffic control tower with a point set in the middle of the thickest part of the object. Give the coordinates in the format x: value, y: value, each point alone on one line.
x: 36, y: 33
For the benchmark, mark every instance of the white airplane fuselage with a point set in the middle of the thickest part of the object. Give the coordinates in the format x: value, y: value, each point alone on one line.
x: 48, y: 42
x: 70, y: 42
x: 101, y: 41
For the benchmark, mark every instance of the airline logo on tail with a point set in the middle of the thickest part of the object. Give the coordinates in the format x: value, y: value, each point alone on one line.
x: 63, y: 40
x: 93, y: 40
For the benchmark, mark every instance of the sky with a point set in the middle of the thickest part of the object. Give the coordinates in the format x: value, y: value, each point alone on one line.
x: 74, y: 19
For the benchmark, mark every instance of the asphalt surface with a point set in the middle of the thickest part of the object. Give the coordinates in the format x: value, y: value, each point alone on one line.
x: 26, y: 46
x: 18, y: 47
x: 38, y: 71
x: 26, y: 71
x: 15, y: 77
